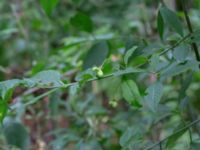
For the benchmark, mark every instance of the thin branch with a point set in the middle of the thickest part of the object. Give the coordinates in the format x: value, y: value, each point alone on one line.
x: 178, y: 131
x: 194, y: 45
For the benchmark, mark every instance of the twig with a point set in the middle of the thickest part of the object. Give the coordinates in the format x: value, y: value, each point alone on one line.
x: 194, y: 45
x: 182, y: 129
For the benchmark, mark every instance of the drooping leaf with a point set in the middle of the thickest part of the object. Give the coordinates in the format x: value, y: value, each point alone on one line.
x: 160, y: 24
x: 16, y: 134
x: 48, y: 5
x: 131, y: 93
x: 171, y: 19
x: 3, y: 109
x: 96, y: 55
x: 6, y: 88
x: 82, y: 22
x: 128, y: 54
x: 181, y: 52
x: 154, y: 94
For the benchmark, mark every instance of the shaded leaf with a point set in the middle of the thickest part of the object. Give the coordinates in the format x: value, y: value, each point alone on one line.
x: 129, y: 137
x: 81, y: 21
x: 154, y: 94
x: 128, y: 71
x: 96, y: 55
x: 181, y: 52
x: 172, y: 20
x: 160, y: 24
x: 172, y: 140
x: 16, y: 134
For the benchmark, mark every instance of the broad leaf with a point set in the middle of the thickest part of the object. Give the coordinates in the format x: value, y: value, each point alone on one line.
x: 131, y: 93
x: 181, y: 52
x: 96, y: 55
x: 45, y: 79
x: 16, y: 135
x: 48, y: 5
x: 172, y: 20
x: 154, y: 94
x: 82, y: 22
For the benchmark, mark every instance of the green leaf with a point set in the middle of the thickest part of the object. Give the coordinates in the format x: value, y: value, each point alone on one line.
x: 128, y: 54
x: 6, y: 88
x: 154, y: 62
x: 177, y: 68
x: 3, y: 110
x: 129, y: 137
x: 16, y: 134
x: 131, y: 93
x: 128, y: 71
x: 160, y: 24
x: 181, y: 52
x: 82, y: 22
x: 195, y: 145
x: 48, y: 5
x: 96, y: 55
x: 45, y: 79
x: 172, y: 140
x: 154, y: 94
x: 172, y: 20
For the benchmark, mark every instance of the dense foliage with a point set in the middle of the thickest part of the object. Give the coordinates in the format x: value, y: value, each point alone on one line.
x: 99, y: 74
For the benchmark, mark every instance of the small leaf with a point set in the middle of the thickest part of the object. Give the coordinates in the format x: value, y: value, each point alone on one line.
x: 160, y: 24
x: 3, y: 110
x: 16, y: 135
x: 154, y: 94
x: 154, y: 62
x: 128, y: 54
x: 96, y: 55
x: 172, y: 20
x: 82, y: 22
x: 48, y: 5
x: 131, y: 93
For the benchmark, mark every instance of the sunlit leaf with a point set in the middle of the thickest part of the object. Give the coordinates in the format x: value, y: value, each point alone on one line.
x: 131, y: 93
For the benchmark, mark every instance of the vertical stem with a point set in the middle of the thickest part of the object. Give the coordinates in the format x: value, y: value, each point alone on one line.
x: 194, y: 45
x: 160, y: 145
